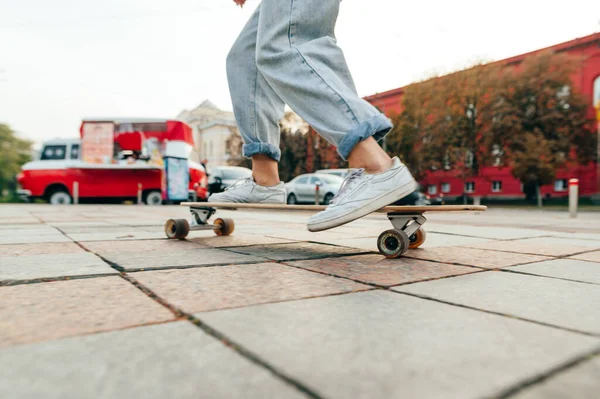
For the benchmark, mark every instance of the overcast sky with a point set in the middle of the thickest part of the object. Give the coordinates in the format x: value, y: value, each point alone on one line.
x: 63, y: 60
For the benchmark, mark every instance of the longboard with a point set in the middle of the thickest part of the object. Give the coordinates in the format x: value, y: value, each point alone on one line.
x: 407, y: 221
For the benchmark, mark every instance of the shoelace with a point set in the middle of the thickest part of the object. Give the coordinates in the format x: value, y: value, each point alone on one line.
x: 352, y: 177
x: 240, y: 183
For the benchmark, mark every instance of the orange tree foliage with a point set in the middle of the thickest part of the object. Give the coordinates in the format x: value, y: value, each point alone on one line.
x: 528, y: 118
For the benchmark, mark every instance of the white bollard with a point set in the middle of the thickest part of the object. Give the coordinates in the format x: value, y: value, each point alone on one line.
x: 139, y: 194
x: 76, y: 193
x: 573, y: 197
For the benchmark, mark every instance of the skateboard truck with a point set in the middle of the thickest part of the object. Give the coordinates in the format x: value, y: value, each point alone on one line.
x: 179, y: 228
x: 407, y: 233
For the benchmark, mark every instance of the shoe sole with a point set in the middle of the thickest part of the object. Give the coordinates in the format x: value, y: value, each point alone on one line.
x: 358, y: 213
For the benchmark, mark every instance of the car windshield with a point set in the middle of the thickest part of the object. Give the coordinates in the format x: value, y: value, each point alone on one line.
x: 236, y: 174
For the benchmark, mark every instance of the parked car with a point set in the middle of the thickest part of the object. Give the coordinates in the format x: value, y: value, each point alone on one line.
x: 221, y: 177
x: 414, y: 198
x: 302, y: 189
x: 336, y: 172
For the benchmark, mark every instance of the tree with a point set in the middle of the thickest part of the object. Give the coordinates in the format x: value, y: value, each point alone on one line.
x: 540, y: 121
x: 14, y: 152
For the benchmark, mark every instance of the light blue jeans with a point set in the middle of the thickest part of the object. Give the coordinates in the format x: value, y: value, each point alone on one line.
x: 287, y: 54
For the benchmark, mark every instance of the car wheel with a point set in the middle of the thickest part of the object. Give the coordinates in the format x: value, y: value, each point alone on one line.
x: 153, y: 198
x: 60, y: 197
x: 292, y: 200
x: 328, y: 198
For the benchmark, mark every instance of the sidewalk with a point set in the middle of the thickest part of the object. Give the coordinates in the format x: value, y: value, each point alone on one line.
x: 95, y: 303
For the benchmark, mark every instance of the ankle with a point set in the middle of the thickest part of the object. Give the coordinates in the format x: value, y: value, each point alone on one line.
x: 374, y: 166
x: 265, y: 181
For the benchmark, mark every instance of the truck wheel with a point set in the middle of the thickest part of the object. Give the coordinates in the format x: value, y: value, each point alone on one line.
x: 60, y: 197
x: 153, y: 198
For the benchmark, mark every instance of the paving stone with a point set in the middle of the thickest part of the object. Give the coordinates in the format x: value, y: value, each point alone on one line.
x: 571, y: 269
x: 130, y: 234
x: 21, y: 221
x: 148, y: 260
x: 46, y: 311
x: 561, y: 303
x: 490, y: 232
x: 34, y: 239
x: 237, y: 240
x: 41, y: 230
x: 589, y: 256
x: 581, y: 382
x: 173, y: 360
x: 375, y: 269
x: 14, y: 268
x: 211, y: 288
x: 473, y: 257
x: 550, y: 246
x: 140, y: 246
x: 40, y: 249
x: 300, y: 250
x: 378, y: 344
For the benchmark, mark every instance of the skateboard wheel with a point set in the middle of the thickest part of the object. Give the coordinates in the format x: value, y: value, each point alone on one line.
x: 177, y: 228
x: 392, y: 243
x: 417, y: 239
x: 226, y: 226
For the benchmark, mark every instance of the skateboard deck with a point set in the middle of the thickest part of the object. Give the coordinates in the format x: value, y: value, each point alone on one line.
x: 407, y: 221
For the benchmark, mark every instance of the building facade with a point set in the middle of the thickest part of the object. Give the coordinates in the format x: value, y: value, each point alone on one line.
x: 498, y: 182
x: 211, y: 128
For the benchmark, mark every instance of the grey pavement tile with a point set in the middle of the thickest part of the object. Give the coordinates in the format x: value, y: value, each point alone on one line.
x: 378, y: 344
x: 473, y: 257
x: 15, y: 268
x: 589, y: 256
x: 375, y: 269
x: 303, y: 234
x: 148, y: 260
x: 581, y: 381
x: 300, y: 250
x: 550, y: 246
x: 40, y: 249
x: 140, y: 246
x: 41, y: 230
x: 490, y: 232
x: 561, y: 303
x: 570, y: 269
x: 20, y: 221
x: 173, y: 360
x: 211, y: 288
x: 237, y: 240
x: 128, y: 234
x: 45, y: 311
x: 34, y: 238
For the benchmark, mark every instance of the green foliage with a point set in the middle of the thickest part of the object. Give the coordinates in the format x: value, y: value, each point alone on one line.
x: 14, y: 152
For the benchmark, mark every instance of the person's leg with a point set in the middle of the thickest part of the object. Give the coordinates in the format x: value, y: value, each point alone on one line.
x: 257, y: 110
x: 298, y: 55
x: 256, y: 106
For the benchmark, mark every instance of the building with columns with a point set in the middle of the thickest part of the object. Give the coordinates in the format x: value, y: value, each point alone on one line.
x: 211, y: 128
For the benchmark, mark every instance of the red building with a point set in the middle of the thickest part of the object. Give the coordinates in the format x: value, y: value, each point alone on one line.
x: 498, y: 182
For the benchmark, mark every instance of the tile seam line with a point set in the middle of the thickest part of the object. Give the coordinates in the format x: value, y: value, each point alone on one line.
x: 544, y: 376
x: 506, y: 315
x: 226, y: 341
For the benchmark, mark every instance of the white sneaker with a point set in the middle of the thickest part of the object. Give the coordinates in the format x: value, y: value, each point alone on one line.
x: 362, y: 193
x: 247, y: 191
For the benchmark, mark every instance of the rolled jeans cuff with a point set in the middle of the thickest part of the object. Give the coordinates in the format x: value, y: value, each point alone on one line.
x: 378, y: 126
x: 250, y: 149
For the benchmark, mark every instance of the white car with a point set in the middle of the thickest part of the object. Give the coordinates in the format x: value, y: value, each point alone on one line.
x: 336, y: 172
x: 303, y: 188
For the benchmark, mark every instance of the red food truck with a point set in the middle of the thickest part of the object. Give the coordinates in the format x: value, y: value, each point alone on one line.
x: 117, y: 158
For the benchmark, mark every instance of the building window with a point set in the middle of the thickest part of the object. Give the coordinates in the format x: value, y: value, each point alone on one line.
x: 205, y: 150
x: 496, y: 186
x: 560, y: 185
x: 470, y: 187
x: 445, y: 187
x: 210, y: 145
x: 432, y: 189
x: 597, y: 92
